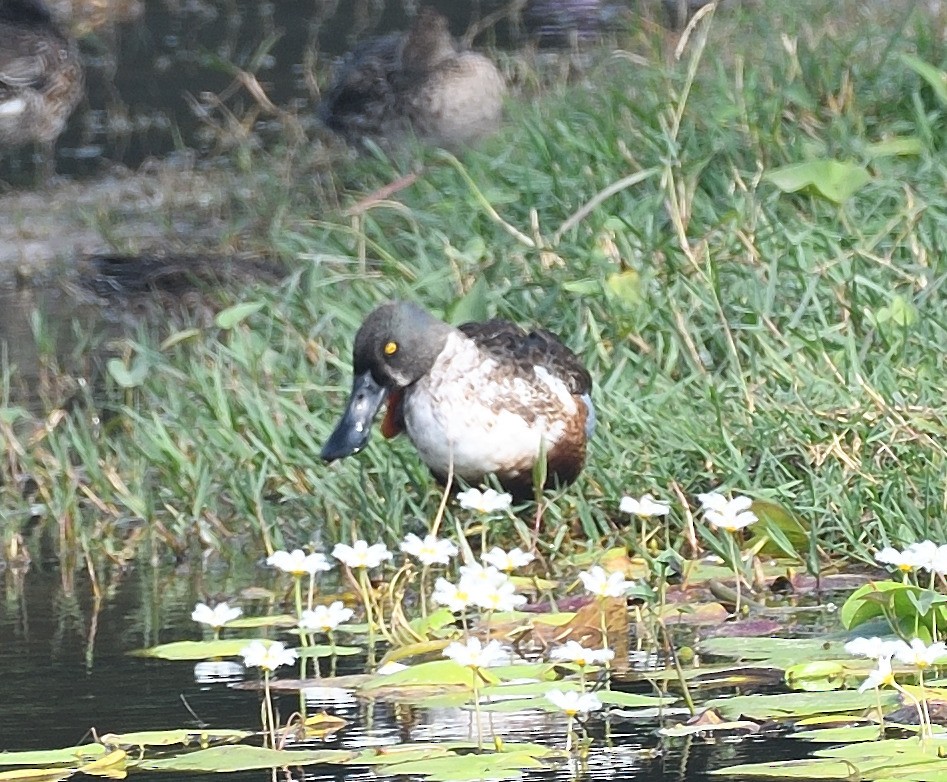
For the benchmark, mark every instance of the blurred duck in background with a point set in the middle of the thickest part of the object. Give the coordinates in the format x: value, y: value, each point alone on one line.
x: 415, y: 82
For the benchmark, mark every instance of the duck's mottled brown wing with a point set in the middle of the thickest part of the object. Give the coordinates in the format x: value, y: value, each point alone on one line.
x: 516, y: 347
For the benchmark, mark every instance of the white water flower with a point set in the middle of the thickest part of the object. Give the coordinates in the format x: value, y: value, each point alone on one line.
x: 454, y: 596
x: 498, y: 597
x: 430, y: 551
x: 325, y: 618
x: 923, y: 553
x: 882, y: 675
x: 217, y: 616
x: 574, y: 703
x: 938, y: 563
x: 647, y: 507
x: 360, y: 554
x: 731, y: 515
x: 268, y: 657
x: 574, y: 652
x: 473, y: 654
x: 901, y: 560
x: 919, y: 654
x: 508, y: 561
x: 603, y: 584
x: 298, y: 563
x: 873, y: 648
x: 475, y: 576
x: 486, y: 501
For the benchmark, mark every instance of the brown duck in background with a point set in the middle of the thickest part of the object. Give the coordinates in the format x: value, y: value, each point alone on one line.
x: 418, y: 82
x: 41, y: 79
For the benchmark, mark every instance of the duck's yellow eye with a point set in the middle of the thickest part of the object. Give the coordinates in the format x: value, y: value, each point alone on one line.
x: 391, y: 348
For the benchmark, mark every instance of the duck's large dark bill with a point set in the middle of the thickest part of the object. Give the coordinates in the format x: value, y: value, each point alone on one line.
x: 353, y: 430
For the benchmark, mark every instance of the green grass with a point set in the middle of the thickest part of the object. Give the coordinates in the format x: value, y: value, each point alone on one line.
x: 776, y: 344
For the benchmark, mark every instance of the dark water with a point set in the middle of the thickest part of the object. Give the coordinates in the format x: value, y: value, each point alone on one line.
x: 64, y: 671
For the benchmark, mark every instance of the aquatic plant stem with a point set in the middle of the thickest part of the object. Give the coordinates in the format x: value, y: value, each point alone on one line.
x: 269, y: 718
x: 735, y: 560
x: 425, y: 570
x: 569, y: 731
x: 476, y: 691
x: 298, y: 594
x: 365, y: 590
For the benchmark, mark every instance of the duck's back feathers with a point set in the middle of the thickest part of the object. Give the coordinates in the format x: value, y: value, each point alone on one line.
x: 523, y: 351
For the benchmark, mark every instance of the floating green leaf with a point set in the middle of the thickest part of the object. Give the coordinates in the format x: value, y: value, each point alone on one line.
x: 167, y: 738
x: 834, y: 180
x: 197, y: 650
x: 814, y: 768
x: 461, y: 768
x: 798, y: 704
x: 438, y: 673
x: 69, y: 756
x: 241, y: 757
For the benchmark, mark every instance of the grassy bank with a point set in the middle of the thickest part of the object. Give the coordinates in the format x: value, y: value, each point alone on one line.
x: 785, y: 345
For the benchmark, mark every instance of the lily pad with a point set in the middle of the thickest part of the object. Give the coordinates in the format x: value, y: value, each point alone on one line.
x: 241, y: 757
x: 461, y: 768
x: 167, y: 738
x: 197, y: 650
x: 68, y: 756
x: 798, y: 704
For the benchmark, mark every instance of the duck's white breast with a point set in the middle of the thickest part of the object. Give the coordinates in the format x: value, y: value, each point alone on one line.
x: 470, y: 412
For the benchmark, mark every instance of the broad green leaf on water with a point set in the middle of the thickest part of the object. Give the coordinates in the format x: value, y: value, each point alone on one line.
x: 834, y: 180
x: 935, y: 77
x: 415, y: 650
x: 846, y: 735
x: 230, y: 317
x: 816, y: 676
x: 128, y: 377
x: 197, y: 650
x: 398, y: 753
x: 519, y: 704
x: 167, y: 738
x: 879, y: 599
x: 528, y: 689
x: 69, y: 756
x: 255, y: 622
x: 782, y: 652
x: 473, y: 305
x: 891, y: 147
x: 736, y: 727
x: 625, y: 286
x: 815, y: 768
x: 436, y: 620
x: 435, y: 674
x: 111, y: 766
x: 36, y: 775
x: 632, y: 700
x: 461, y: 768
x: 325, y: 650
x: 538, y: 671
x: 241, y: 757
x: 798, y: 704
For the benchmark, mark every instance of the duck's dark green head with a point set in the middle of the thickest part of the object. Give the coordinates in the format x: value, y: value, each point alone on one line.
x: 396, y: 346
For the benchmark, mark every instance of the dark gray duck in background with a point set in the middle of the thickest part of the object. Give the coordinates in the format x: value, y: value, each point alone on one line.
x: 41, y: 79
x: 417, y: 82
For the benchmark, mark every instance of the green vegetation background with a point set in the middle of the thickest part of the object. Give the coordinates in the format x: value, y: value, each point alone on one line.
x: 786, y: 345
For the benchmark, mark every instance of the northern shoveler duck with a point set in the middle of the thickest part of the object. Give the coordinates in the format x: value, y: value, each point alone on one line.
x: 485, y: 397
x: 416, y: 81
x: 41, y: 79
